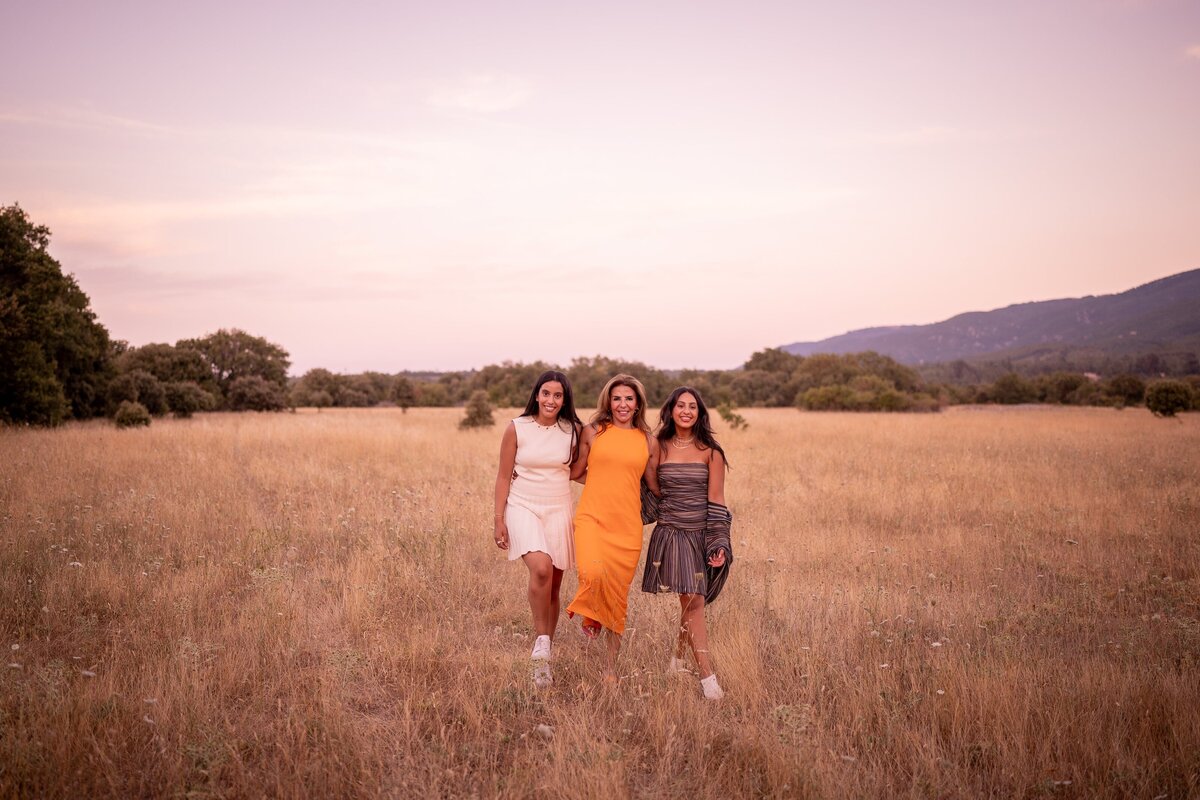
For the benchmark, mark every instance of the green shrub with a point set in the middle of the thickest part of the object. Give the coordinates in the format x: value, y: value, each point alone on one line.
x: 404, y: 394
x: 479, y: 411
x: 925, y: 403
x: 891, y: 400
x: 732, y: 418
x: 1012, y: 389
x: 838, y: 397
x: 138, y: 386
x: 1168, y: 398
x: 1125, y: 390
x: 186, y: 398
x: 435, y: 395
x: 1059, y: 386
x: 1086, y: 394
x: 1194, y: 382
x: 255, y: 393
x: 320, y: 399
x: 131, y: 414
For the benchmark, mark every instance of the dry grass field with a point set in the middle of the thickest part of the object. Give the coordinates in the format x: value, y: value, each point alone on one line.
x: 978, y: 603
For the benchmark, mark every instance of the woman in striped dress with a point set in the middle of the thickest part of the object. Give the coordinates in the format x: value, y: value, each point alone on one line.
x: 690, y: 552
x: 533, y: 503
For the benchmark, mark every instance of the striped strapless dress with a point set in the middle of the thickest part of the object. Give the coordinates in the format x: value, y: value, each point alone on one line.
x: 675, y: 558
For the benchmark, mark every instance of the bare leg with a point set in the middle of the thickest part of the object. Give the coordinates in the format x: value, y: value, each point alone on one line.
x: 555, y: 586
x: 610, y: 662
x: 682, y: 641
x: 541, y: 580
x: 691, y: 623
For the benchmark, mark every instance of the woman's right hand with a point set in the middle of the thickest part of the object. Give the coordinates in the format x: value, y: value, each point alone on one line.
x: 500, y: 537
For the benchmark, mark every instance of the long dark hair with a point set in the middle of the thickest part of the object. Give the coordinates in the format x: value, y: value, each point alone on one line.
x: 565, y: 413
x: 702, y: 429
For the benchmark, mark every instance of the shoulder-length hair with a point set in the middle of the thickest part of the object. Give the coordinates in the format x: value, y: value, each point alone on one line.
x: 566, y: 412
x: 702, y: 429
x: 603, y: 417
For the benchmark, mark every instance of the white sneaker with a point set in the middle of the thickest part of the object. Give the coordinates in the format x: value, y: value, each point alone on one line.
x: 541, y: 674
x: 541, y: 648
x: 677, y: 665
x: 712, y: 689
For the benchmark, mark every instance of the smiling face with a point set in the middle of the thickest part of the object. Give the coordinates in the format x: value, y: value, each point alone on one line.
x: 684, y: 413
x: 622, y: 402
x: 549, y: 400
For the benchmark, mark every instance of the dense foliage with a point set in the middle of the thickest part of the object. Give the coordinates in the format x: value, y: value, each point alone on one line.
x: 55, y: 358
x: 478, y: 413
x: 230, y: 370
x: 771, y: 378
x: 131, y: 414
x: 1167, y: 398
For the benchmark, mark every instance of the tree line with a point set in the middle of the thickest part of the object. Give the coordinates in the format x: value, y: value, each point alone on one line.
x: 58, y: 362
x: 770, y: 378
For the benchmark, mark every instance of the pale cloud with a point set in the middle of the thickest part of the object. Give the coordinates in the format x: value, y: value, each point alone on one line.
x: 108, y: 216
x: 130, y: 281
x: 483, y: 93
x: 933, y: 135
x: 138, y: 283
x: 1193, y: 52
x: 271, y: 137
x: 83, y: 118
x: 917, y: 137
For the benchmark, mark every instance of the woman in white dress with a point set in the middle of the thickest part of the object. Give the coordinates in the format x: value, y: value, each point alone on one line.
x: 533, y: 503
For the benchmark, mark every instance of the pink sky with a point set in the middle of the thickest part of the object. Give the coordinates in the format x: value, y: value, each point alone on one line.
x: 443, y: 186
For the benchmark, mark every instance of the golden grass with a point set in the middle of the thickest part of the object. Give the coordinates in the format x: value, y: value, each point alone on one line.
x: 977, y: 603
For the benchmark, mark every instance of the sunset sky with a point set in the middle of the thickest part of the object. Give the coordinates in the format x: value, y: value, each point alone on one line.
x: 445, y: 185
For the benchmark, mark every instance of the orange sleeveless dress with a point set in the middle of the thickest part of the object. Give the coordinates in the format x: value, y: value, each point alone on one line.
x: 608, y: 527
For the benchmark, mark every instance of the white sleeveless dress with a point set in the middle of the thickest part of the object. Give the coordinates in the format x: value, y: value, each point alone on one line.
x: 538, y: 513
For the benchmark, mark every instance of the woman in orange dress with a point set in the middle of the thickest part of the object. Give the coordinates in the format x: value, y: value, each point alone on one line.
x: 616, y: 451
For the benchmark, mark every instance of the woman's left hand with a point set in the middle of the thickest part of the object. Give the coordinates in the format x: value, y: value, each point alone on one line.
x: 717, y: 560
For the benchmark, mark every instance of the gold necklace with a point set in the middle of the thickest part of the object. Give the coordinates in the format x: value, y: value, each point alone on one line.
x: 675, y: 441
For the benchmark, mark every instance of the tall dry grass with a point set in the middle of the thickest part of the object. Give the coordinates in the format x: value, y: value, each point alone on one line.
x: 977, y: 603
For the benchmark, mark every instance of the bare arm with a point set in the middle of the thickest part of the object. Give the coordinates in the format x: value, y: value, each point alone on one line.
x: 580, y: 464
x: 716, y: 494
x: 504, y: 476
x: 650, y: 475
x: 716, y: 478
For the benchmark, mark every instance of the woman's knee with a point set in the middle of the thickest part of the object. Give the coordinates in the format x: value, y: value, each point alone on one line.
x: 541, y: 570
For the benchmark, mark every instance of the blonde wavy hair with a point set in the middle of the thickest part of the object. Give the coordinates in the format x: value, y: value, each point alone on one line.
x: 603, y: 418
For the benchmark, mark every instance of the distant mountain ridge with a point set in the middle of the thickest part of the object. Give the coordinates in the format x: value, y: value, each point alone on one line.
x: 1160, y: 316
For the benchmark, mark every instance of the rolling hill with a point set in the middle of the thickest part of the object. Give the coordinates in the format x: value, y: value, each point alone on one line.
x: 1158, y: 317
